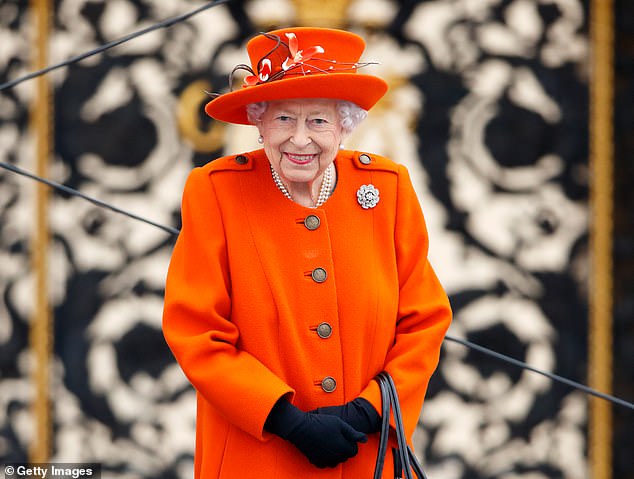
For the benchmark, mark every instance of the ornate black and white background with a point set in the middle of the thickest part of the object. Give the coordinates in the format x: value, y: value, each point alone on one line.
x: 487, y: 108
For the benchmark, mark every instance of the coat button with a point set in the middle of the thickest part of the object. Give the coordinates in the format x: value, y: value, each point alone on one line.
x: 242, y: 160
x: 365, y: 159
x: 319, y: 275
x: 312, y: 222
x: 324, y: 330
x: 328, y: 384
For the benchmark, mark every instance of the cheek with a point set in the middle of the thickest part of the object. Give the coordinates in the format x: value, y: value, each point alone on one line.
x: 272, y: 140
x: 273, y: 152
x: 274, y: 156
x: 331, y: 140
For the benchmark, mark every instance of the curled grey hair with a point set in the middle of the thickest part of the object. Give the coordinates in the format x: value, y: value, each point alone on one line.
x: 350, y: 113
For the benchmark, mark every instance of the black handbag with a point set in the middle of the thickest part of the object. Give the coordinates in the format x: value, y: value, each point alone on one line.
x: 404, y: 457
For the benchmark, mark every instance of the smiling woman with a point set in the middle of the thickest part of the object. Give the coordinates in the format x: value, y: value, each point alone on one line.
x: 301, y: 273
x: 301, y: 139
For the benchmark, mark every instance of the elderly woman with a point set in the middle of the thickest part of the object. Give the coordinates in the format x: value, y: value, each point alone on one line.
x: 300, y: 273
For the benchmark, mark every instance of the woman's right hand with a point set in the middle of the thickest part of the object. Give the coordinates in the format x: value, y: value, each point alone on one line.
x: 359, y: 413
x: 324, y: 439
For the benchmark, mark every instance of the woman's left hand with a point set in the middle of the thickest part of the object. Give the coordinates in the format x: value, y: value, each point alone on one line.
x: 359, y: 413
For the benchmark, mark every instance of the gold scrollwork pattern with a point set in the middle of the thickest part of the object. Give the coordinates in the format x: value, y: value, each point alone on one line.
x: 189, y: 123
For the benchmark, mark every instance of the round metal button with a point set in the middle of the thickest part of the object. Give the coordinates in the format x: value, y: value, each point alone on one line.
x: 312, y: 222
x: 324, y: 330
x: 242, y: 160
x: 319, y: 275
x: 365, y: 159
x: 328, y: 384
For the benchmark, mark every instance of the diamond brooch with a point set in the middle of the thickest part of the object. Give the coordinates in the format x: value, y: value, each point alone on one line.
x: 368, y: 196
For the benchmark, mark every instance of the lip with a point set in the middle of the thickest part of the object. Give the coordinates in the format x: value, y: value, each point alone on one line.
x: 300, y: 159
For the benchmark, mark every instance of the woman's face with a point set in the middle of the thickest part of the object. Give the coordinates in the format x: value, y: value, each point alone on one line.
x: 301, y: 137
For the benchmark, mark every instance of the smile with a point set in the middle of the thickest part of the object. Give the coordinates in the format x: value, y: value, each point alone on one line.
x: 300, y: 159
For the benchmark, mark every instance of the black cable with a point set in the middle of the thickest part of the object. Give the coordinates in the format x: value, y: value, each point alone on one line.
x: 165, y: 23
x: 464, y: 342
x: 551, y: 376
x: 95, y: 201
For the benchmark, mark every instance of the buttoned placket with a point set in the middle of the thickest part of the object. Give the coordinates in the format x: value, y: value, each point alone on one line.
x: 324, y: 331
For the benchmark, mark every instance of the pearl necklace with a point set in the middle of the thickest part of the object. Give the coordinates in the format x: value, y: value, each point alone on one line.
x: 324, y: 190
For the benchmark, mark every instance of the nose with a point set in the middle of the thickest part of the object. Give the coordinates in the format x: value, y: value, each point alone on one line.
x: 301, y: 137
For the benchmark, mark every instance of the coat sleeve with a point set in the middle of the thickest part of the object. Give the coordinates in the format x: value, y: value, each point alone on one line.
x: 196, y: 317
x: 424, y: 313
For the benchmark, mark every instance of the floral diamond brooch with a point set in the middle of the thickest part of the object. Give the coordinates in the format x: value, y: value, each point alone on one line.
x: 368, y: 196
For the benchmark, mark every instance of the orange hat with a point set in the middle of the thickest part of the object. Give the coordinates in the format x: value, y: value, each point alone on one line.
x: 300, y: 62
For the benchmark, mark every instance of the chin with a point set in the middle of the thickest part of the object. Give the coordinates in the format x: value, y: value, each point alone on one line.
x: 300, y: 173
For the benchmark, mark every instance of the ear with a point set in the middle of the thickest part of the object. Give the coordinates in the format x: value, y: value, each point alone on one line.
x: 343, y: 134
x: 258, y: 125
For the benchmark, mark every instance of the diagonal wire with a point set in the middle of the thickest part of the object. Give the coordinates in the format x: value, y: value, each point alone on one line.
x: 551, y: 376
x: 165, y: 23
x: 74, y: 192
x: 464, y: 342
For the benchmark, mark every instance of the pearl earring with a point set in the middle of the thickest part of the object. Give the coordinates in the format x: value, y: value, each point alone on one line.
x: 341, y: 147
x: 260, y: 139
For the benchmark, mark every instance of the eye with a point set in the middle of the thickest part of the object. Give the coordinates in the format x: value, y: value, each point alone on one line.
x: 284, y: 118
x: 319, y: 121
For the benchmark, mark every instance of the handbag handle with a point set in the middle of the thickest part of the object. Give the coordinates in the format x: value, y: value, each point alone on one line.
x: 390, y: 402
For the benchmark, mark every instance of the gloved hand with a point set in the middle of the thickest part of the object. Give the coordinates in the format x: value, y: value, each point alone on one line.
x: 359, y: 413
x: 324, y: 439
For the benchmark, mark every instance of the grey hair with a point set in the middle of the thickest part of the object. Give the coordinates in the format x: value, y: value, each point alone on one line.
x: 350, y: 113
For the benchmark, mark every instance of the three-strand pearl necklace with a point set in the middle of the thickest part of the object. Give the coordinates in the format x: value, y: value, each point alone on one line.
x: 324, y: 190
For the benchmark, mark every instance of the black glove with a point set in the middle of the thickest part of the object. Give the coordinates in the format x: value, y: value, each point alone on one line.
x: 359, y: 413
x: 324, y: 439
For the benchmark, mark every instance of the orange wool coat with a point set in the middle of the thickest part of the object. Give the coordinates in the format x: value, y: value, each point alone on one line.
x: 242, y: 308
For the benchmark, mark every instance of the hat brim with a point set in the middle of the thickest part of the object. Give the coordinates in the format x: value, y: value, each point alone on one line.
x: 364, y: 90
